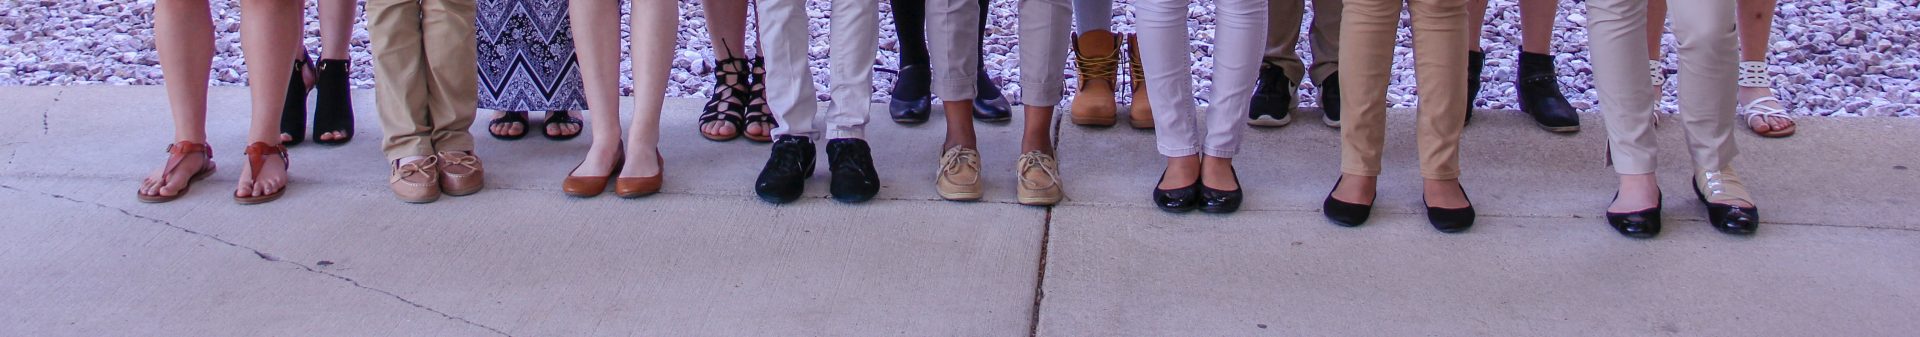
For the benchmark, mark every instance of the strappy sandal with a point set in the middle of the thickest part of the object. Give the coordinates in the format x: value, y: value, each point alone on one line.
x: 256, y: 158
x: 293, y: 114
x: 176, y: 153
x: 333, y: 110
x: 509, y: 117
x: 728, y: 103
x: 1753, y: 74
x: 757, y: 104
x: 561, y: 117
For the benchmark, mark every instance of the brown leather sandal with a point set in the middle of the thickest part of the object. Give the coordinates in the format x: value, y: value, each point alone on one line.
x: 256, y: 157
x: 176, y: 153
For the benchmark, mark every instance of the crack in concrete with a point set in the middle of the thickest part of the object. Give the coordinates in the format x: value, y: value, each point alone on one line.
x: 263, y: 256
x: 1040, y: 280
x: 46, y: 127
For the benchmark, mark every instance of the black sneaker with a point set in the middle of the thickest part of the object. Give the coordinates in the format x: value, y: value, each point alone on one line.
x: 1538, y: 86
x: 1330, y: 100
x: 785, y: 176
x: 854, y: 179
x: 912, y: 101
x: 988, y: 104
x: 1272, y: 98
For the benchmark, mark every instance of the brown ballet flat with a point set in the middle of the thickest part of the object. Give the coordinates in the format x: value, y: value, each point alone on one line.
x: 256, y: 157
x: 176, y: 153
x: 590, y: 186
x: 635, y: 187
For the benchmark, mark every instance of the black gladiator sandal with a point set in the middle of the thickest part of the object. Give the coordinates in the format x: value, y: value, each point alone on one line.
x: 757, y: 103
x: 293, y: 115
x: 728, y: 103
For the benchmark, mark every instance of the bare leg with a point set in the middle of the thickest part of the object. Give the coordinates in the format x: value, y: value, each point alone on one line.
x: 1181, y: 172
x: 596, y: 36
x: 1756, y: 25
x: 1217, y: 173
x: 959, y: 124
x: 336, y: 27
x: 1656, y: 26
x: 654, y: 22
x: 727, y: 30
x: 1356, y: 189
x: 1037, y: 134
x: 1477, y: 23
x: 183, y: 33
x: 270, y: 31
x: 1536, y: 25
x: 1638, y: 192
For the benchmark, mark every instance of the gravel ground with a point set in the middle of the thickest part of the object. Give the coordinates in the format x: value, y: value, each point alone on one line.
x: 1844, y: 58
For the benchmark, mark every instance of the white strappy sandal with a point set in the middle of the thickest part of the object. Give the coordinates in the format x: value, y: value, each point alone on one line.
x: 1753, y: 74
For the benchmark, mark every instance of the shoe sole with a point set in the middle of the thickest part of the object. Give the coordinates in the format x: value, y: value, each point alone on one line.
x: 1559, y: 129
x: 462, y: 193
x: 261, y: 199
x: 961, y: 196
x: 421, y: 200
x: 1093, y: 121
x: 852, y: 199
x: 1332, y: 123
x: 1039, y: 201
x: 1269, y: 121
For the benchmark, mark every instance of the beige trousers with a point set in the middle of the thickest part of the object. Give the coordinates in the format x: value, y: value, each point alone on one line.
x: 1283, y: 35
x: 1708, y: 68
x: 1440, y: 65
x: 426, y: 80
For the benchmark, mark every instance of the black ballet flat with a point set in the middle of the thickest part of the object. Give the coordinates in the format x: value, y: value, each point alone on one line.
x: 1451, y: 220
x: 1220, y: 201
x: 1636, y: 224
x: 1727, y: 218
x: 1178, y: 200
x: 1345, y: 213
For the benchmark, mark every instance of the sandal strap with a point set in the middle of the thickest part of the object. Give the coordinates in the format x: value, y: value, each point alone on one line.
x: 1757, y: 108
x: 256, y: 156
x: 177, y: 152
x: 1753, y: 74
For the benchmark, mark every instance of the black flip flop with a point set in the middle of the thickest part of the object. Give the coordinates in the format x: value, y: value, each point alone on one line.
x: 561, y: 117
x: 509, y: 117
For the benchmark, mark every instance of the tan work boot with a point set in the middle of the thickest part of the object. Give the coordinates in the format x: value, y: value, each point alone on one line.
x: 1096, y: 56
x: 1141, y: 112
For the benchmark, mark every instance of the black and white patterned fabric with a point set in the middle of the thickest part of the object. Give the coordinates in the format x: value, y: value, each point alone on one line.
x: 526, y: 57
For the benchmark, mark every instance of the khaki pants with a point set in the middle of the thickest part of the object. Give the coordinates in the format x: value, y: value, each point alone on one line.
x: 426, y: 82
x: 1708, y: 67
x: 1283, y: 35
x: 953, y: 43
x: 1440, y: 64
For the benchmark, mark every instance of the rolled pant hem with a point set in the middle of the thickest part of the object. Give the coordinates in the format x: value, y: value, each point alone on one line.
x: 420, y: 151
x: 1179, y: 152
x: 950, y: 89
x: 1221, y: 153
x: 1631, y: 171
x: 1440, y: 176
x: 1360, y: 172
x: 846, y: 134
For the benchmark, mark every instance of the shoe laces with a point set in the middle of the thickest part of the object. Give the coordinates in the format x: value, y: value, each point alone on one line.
x: 958, y: 159
x: 423, y: 167
x: 850, y: 159
x: 787, y: 158
x: 1043, y: 162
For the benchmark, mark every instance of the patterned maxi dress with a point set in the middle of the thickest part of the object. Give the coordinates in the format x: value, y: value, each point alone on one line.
x: 526, y: 57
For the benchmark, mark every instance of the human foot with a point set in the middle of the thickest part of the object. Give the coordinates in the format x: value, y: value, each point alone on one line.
x: 265, y: 175
x: 187, y: 162
x: 1445, y: 194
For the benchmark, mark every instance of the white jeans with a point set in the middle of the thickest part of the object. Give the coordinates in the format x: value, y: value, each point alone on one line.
x: 853, y: 45
x: 1240, y: 43
x: 1708, y: 68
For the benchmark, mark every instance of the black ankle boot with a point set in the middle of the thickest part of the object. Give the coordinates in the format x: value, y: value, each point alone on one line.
x: 333, y: 110
x: 1476, y: 61
x: 1539, y: 90
x: 1330, y: 100
x: 1272, y: 103
x: 912, y: 102
x: 785, y: 176
x: 989, y: 105
x: 293, y: 114
x: 854, y: 179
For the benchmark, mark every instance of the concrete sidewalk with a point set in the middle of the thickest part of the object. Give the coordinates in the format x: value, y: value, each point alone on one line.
x: 79, y: 256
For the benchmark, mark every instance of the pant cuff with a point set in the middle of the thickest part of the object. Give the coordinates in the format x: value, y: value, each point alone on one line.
x: 1360, y: 171
x: 1171, y: 152
x: 852, y: 133
x: 1440, y: 175
x: 1221, y: 153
